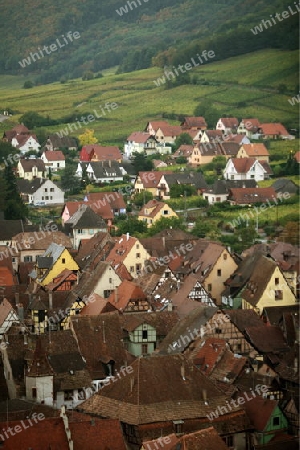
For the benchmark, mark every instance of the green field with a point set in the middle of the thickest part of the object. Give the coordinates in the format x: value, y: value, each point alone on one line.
x: 250, y: 79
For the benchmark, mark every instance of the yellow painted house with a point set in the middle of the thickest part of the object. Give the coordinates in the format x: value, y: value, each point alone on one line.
x: 155, y: 210
x: 267, y: 286
x: 53, y: 261
x: 148, y: 181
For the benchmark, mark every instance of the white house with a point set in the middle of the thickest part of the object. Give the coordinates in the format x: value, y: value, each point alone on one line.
x: 228, y: 125
x: 244, y: 169
x: 25, y: 143
x: 40, y: 192
x: 7, y: 316
x: 55, y: 160
x: 101, y: 171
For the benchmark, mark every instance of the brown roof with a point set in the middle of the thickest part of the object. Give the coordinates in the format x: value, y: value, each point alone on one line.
x: 123, y: 246
x: 6, y: 277
x: 207, y: 439
x: 243, y: 318
x: 167, y: 443
x: 154, y: 205
x: 158, y: 124
x: 40, y: 240
x: 54, y: 155
x: 230, y: 122
x: 5, y: 309
x: 162, y: 321
x: 259, y: 411
x: 184, y: 150
x: 148, y: 394
x: 251, y: 124
x: 270, y: 129
x: 101, y: 153
x: 95, y: 434
x: 100, y: 341
x: 194, y: 122
x: 93, y: 250
x: 266, y: 339
x: 151, y: 179
x: 140, y: 137
x: 243, y: 165
x: 28, y: 164
x: 245, y: 196
x: 254, y: 150
x: 36, y: 435
x: 99, y: 305
x: 127, y: 291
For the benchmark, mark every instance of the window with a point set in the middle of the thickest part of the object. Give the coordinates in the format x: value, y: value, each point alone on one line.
x: 33, y: 392
x: 166, y: 212
x: 43, y: 198
x: 138, y: 267
x: 145, y: 334
x: 63, y: 260
x: 218, y: 330
x: 276, y: 281
x: 110, y: 280
x: 178, y: 426
x: 252, y: 176
x: 225, y: 256
x: 107, y: 293
x: 68, y: 395
x: 144, y: 349
x: 47, y: 198
x: 138, y: 255
x: 131, y: 268
x: 276, y: 421
x: 209, y: 287
x: 228, y: 441
x: 219, y: 272
x: 137, y: 246
x: 45, y: 189
x: 79, y: 231
x: 91, y: 231
x: 27, y: 258
x: 278, y: 295
x: 51, y: 198
x: 51, y: 189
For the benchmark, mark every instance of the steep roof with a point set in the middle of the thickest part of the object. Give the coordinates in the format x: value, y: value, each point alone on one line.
x: 54, y: 155
x: 230, y: 122
x: 251, y: 124
x: 95, y: 434
x: 285, y: 185
x: 243, y: 165
x: 259, y: 411
x: 211, y: 149
x: 5, y: 309
x: 105, y: 168
x: 148, y: 394
x: 151, y: 179
x: 122, y: 248
x: 108, y: 153
x: 86, y: 218
x: 184, y: 150
x: 127, y: 291
x: 28, y: 164
x: 152, y: 208
x: 9, y: 228
x: 207, y: 439
x: 62, y: 142
x: 194, y: 122
x: 41, y: 240
x: 192, y: 178
x: 162, y: 321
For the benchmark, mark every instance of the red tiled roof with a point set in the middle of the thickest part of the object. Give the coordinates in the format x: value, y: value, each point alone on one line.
x: 184, y: 150
x: 140, y: 137
x: 97, y: 306
x: 194, y: 122
x: 207, y: 439
x: 158, y: 124
x: 5, y: 309
x: 95, y: 434
x: 254, y: 150
x: 243, y: 165
x: 151, y: 179
x: 245, y: 196
x: 6, y: 277
x: 230, y: 122
x: 126, y: 292
x: 269, y: 129
x: 259, y: 411
x: 111, y: 153
x: 55, y: 155
x: 251, y: 124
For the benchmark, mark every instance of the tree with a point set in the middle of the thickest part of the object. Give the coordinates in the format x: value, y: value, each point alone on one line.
x: 28, y: 85
x: 14, y: 207
x: 201, y: 228
x: 142, y: 198
x: 87, y: 138
x: 219, y: 163
x: 132, y: 225
x: 166, y: 223
x: 69, y: 181
x: 49, y: 173
x: 183, y: 139
x: 8, y: 153
x: 207, y: 110
x: 180, y: 190
x: 141, y: 163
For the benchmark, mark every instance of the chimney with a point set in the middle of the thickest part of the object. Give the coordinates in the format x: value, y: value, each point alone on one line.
x: 20, y: 311
x: 182, y: 371
x: 127, y: 236
x: 204, y: 395
x: 50, y: 300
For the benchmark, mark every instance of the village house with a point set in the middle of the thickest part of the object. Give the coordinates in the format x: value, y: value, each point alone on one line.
x: 155, y: 210
x: 158, y: 163
x: 211, y: 136
x: 184, y: 151
x: 105, y: 171
x: 220, y: 190
x: 96, y: 152
x: 167, y: 180
x: 31, y: 168
x: 245, y: 169
x: 145, y: 331
x: 249, y: 127
x: 250, y: 196
x: 18, y: 130
x: 129, y: 251
x: 140, y: 142
x: 129, y: 297
x: 148, y: 181
x: 152, y: 404
x: 163, y: 132
x: 8, y: 316
x: 257, y: 151
x: 274, y: 131
x: 228, y: 125
x: 40, y: 191
x: 55, y: 142
x: 9, y: 228
x: 51, y: 263
x: 193, y: 123
x: 84, y: 224
x: 54, y: 160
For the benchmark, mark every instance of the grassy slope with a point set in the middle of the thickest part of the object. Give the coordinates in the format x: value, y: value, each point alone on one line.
x: 249, y: 78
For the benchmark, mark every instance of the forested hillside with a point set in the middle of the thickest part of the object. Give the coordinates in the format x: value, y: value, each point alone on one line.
x: 154, y: 32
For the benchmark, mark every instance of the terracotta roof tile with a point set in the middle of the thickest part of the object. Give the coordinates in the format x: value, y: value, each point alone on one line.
x: 95, y: 434
x: 269, y: 129
x: 254, y: 150
x: 54, y: 155
x: 259, y: 411
x: 245, y: 196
